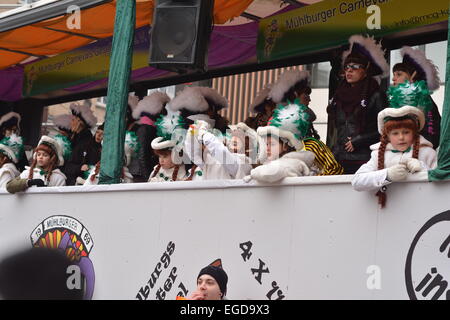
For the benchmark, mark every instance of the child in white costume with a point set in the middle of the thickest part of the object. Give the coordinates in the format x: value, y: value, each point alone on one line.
x: 11, y: 148
x: 168, y: 147
x: 130, y: 147
x: 201, y: 105
x: 44, y: 172
x: 402, y: 149
x: 217, y: 160
x: 285, y: 154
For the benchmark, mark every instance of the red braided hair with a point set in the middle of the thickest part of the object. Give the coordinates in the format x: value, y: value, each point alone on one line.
x: 388, y: 127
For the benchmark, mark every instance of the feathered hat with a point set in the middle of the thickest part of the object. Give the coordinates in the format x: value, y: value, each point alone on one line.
x: 286, y: 82
x: 260, y: 99
x: 84, y: 112
x: 12, y: 147
x: 151, y: 105
x: 9, y: 120
x: 366, y: 51
x: 416, y: 60
x: 195, y: 100
x: 290, y: 123
x: 56, y: 147
x: 406, y: 100
x: 170, y: 129
x: 63, y: 122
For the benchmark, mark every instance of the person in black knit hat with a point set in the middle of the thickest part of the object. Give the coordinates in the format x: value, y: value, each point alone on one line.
x: 211, y: 284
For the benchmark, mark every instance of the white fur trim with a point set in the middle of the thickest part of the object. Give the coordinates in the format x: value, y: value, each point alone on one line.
x: 56, y: 146
x: 133, y: 101
x: 261, y: 96
x: 191, y: 99
x: 152, y: 104
x: 285, y: 82
x: 431, y: 72
x: 376, y: 52
x: 10, y: 115
x: 84, y: 111
x: 158, y: 144
x: 400, y: 112
x: 63, y: 121
x: 9, y: 152
x: 215, y: 96
x: 305, y: 156
x: 289, y: 136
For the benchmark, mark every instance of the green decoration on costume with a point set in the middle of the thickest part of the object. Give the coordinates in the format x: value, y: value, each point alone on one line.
x: 414, y: 94
x: 167, y: 124
x: 15, y: 145
x: 398, y: 151
x: 292, y: 117
x: 65, y: 144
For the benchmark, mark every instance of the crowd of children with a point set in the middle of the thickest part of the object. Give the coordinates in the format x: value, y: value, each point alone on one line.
x: 186, y: 138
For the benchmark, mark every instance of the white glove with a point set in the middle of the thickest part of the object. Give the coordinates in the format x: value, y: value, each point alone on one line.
x: 247, y: 179
x: 398, y: 172
x: 413, y: 165
x: 202, y: 127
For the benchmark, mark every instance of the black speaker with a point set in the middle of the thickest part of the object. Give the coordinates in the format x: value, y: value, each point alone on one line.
x: 180, y: 35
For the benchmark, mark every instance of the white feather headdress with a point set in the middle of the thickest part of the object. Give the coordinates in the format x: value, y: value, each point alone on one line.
x: 419, y: 60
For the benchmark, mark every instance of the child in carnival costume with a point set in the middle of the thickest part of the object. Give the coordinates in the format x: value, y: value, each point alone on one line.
x: 418, y: 70
x: 402, y: 150
x: 168, y: 146
x: 131, y: 148
x: 11, y: 148
x: 9, y: 125
x: 44, y: 172
x: 200, y: 107
x: 285, y: 154
x: 293, y: 85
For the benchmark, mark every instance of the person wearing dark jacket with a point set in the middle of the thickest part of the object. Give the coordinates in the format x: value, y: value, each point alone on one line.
x: 147, y: 112
x: 83, y: 119
x: 352, y: 113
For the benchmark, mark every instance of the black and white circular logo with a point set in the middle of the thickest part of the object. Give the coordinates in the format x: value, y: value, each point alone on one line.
x: 427, y: 269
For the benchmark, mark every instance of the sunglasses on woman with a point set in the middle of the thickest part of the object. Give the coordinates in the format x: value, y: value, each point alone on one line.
x: 353, y: 67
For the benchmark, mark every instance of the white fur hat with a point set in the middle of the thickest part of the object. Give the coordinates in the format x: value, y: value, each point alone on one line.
x: 260, y: 98
x: 371, y: 50
x: 12, y: 117
x: 419, y: 61
x: 404, y: 111
x: 152, y: 104
x: 55, y: 145
x: 285, y: 82
x: 194, y: 99
x: 84, y: 112
x: 63, y: 121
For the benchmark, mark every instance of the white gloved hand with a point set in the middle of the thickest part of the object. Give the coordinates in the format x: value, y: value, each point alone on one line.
x: 247, y: 179
x: 202, y: 127
x: 413, y: 165
x: 398, y: 172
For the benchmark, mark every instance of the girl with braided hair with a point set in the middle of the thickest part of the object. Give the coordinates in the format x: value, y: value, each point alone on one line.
x: 44, y: 172
x: 401, y: 151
